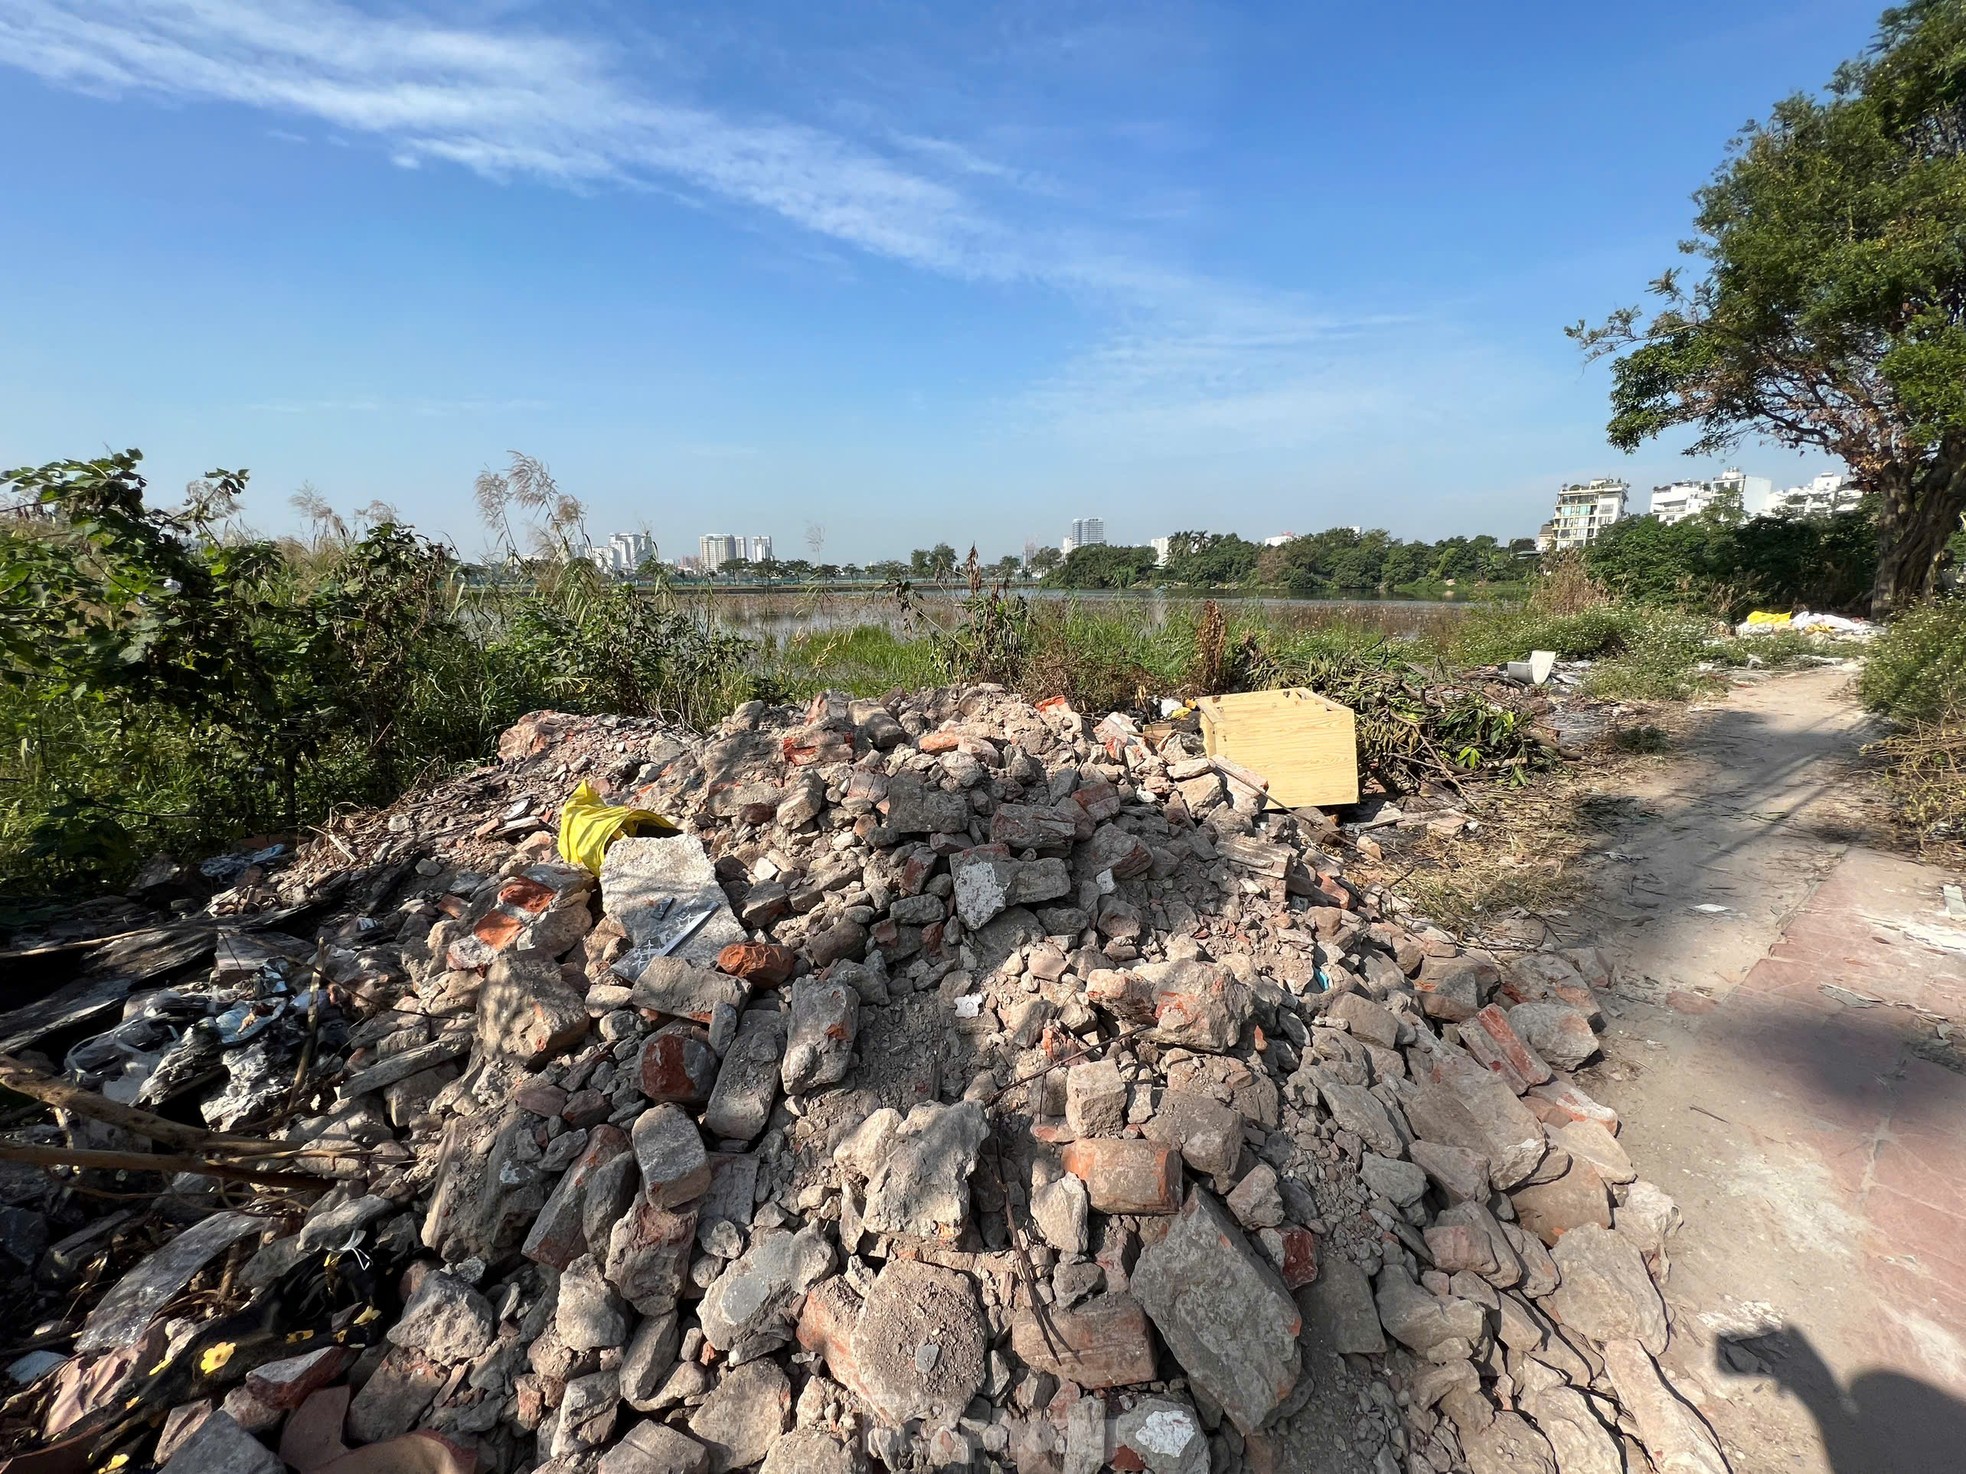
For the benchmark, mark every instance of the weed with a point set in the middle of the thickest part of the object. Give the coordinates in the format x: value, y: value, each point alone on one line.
x: 1924, y: 771
x: 1661, y: 660
x: 1916, y: 671
x: 1645, y: 739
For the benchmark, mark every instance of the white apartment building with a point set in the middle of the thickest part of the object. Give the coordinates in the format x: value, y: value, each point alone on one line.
x: 760, y: 549
x: 1583, y: 510
x: 623, y: 553
x: 1821, y: 496
x: 715, y: 549
x: 1163, y: 550
x: 1087, y: 532
x: 1754, y: 495
x: 631, y: 549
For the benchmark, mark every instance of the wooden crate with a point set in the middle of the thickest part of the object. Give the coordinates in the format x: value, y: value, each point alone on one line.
x: 1306, y: 745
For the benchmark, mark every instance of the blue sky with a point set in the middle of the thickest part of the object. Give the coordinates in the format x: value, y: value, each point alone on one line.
x: 909, y: 272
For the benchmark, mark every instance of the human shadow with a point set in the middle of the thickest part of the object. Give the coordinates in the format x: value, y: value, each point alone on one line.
x: 1882, y: 1423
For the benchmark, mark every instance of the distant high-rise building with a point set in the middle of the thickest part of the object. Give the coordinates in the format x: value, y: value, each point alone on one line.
x: 1087, y: 532
x: 718, y: 548
x: 630, y: 550
x: 760, y: 550
x: 1163, y: 550
x: 1582, y: 512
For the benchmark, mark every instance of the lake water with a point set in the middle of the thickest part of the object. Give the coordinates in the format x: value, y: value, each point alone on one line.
x: 780, y: 614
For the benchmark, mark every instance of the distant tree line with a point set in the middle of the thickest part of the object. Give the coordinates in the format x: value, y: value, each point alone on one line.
x: 1340, y: 560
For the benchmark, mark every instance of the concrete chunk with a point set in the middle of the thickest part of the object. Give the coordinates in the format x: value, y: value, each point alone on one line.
x: 653, y: 885
x: 921, y: 1344
x: 1574, y: 1197
x: 921, y: 1187
x: 1467, y: 1106
x: 1676, y: 1437
x: 669, y: 1150
x: 744, y: 1415
x: 526, y: 1012
x: 752, y: 1307
x: 446, y: 1320
x: 655, y: 1448
x: 748, y: 1082
x: 221, y: 1446
x: 690, y: 990
x: 1362, y: 1113
x: 1339, y: 1312
x: 1422, y: 1321
x: 1095, y: 1098
x: 1207, y: 1133
x: 1605, y: 1291
x: 648, y: 1254
x: 1222, y: 1311
x: 819, y: 1045
x: 1559, y: 1033
x: 594, y: 1191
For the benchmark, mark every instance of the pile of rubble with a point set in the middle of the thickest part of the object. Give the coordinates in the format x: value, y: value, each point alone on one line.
x: 967, y: 1085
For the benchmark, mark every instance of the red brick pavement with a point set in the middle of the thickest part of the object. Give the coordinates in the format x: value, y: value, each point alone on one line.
x: 1888, y: 1123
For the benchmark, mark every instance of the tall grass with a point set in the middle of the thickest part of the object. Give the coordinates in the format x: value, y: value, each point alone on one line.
x: 1915, y: 678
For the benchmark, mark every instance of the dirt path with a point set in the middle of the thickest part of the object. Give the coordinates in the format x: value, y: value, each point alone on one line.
x: 1784, y: 1051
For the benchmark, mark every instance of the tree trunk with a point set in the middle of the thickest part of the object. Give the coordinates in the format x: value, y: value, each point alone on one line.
x: 1919, y: 510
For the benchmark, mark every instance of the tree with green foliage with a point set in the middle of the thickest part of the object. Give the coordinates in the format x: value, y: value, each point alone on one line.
x: 1103, y: 566
x: 1209, y: 559
x: 1831, y: 314
x: 130, y: 628
x: 1045, y: 559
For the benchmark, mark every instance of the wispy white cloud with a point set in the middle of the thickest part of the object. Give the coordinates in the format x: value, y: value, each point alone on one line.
x: 501, y: 102
x: 1192, y: 361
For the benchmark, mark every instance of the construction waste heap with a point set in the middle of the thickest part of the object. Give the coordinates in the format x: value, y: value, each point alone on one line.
x: 968, y: 1085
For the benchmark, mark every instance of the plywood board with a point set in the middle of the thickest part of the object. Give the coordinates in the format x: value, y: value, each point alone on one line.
x: 1303, y: 743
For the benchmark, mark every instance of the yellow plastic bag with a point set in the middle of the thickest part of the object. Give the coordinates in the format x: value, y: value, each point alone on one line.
x: 588, y: 826
x: 1761, y: 616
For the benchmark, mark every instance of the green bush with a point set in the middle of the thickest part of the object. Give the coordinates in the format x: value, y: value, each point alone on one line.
x: 166, y: 683
x: 1719, y: 562
x: 1510, y: 632
x: 1916, y: 671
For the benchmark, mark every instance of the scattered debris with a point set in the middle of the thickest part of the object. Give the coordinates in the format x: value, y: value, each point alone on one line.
x: 964, y: 1084
x: 1535, y: 671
